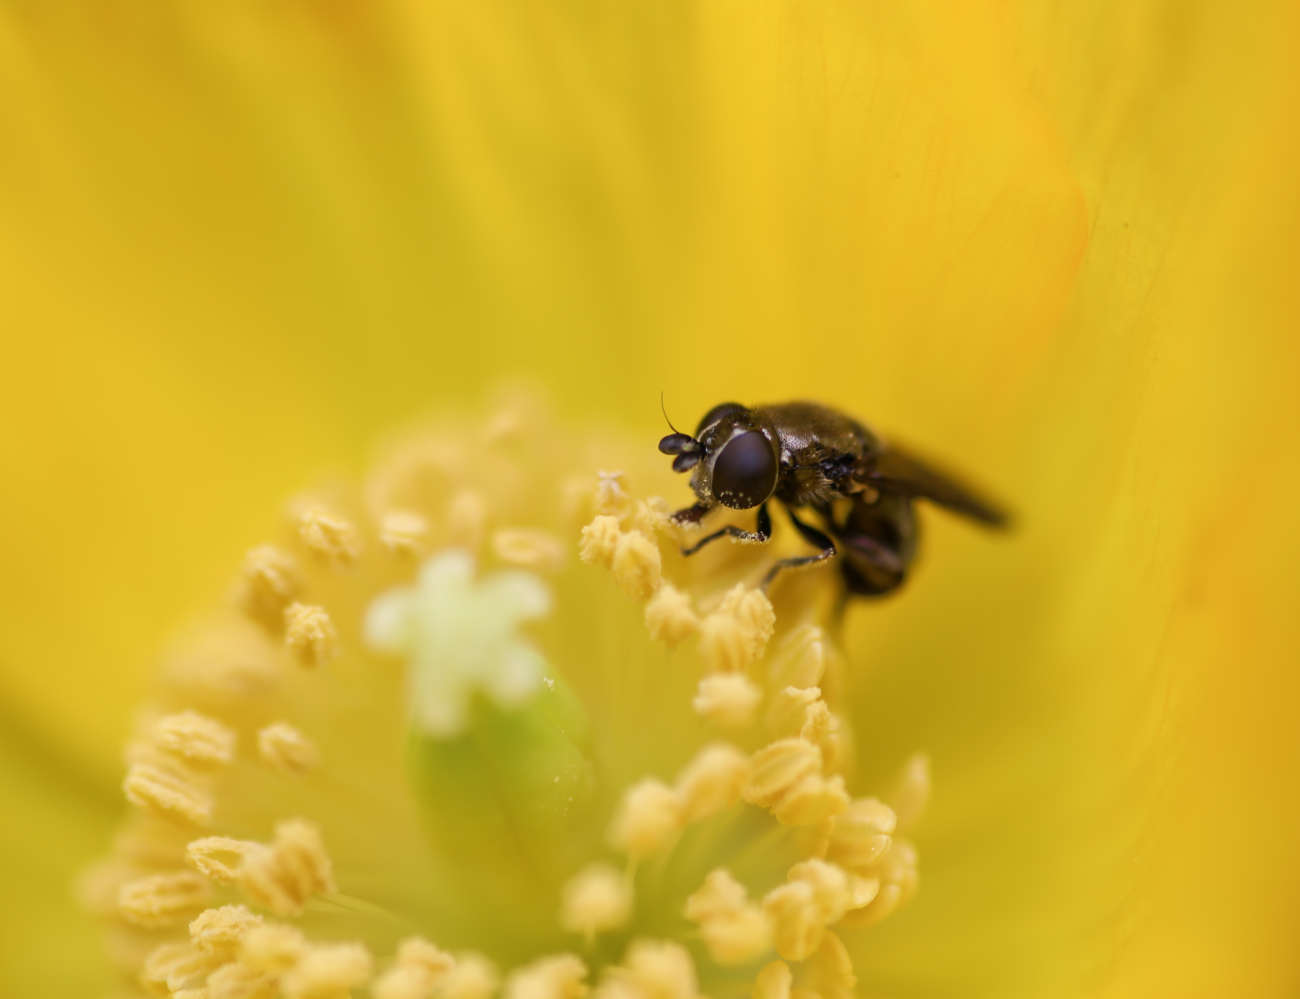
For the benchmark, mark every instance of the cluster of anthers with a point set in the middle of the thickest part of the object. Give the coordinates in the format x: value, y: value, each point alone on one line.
x: 793, y: 859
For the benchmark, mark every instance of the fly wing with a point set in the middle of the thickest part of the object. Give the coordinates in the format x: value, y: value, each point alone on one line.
x: 897, y: 471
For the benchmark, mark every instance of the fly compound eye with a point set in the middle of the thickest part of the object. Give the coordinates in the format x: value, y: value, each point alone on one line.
x: 744, y: 473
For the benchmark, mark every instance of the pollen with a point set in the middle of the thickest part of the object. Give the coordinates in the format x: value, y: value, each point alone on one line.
x: 734, y: 930
x: 637, y: 565
x: 403, y: 532
x: 162, y: 900
x: 669, y: 616
x: 172, y: 967
x: 779, y: 768
x: 219, y: 858
x: 328, y: 971
x: 172, y: 792
x: 712, y: 781
x: 727, y: 699
x: 309, y: 635
x: 472, y: 977
x: 774, y: 981
x: 272, y: 948
x: 219, y: 931
x: 652, y: 969
x: 861, y: 834
x: 599, y: 541
x: 198, y: 740
x: 282, y: 747
x: 284, y: 876
x: 649, y: 819
x: 528, y: 548
x: 420, y: 968
x: 270, y: 583
x: 596, y: 899
x: 561, y: 976
x: 328, y: 537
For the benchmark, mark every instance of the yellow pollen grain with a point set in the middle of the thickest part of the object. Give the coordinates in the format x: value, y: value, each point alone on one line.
x: 727, y: 699
x: 282, y: 747
x: 269, y: 584
x: 655, y: 969
x: 753, y: 611
x: 162, y: 900
x: 239, y: 981
x: 796, y: 929
x: 403, y: 532
x: 734, y: 930
x: 787, y: 710
x: 328, y: 971
x: 170, y: 792
x: 724, y: 644
x: 528, y: 548
x: 559, y: 976
x: 599, y: 540
x: 295, y: 867
x: 829, y: 972
x: 773, y: 982
x: 328, y: 537
x: 219, y: 931
x: 669, y: 616
x: 173, y: 967
x: 649, y: 819
x: 860, y: 835
x: 611, y: 497
x: 800, y: 659
x: 811, y: 800
x: 779, y: 767
x: 219, y: 858
x: 272, y: 948
x: 309, y: 635
x: 472, y: 977
x: 712, y: 780
x: 195, y: 738
x: 421, y: 955
x: 596, y: 899
x: 637, y: 565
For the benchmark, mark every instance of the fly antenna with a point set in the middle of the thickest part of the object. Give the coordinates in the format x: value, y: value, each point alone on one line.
x: 663, y: 409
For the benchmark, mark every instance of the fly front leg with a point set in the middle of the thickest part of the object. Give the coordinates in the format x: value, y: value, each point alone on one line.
x: 814, y: 537
x: 692, y: 514
x: 761, y: 533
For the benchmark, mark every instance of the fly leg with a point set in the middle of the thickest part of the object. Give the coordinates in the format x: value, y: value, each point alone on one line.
x: 814, y: 537
x: 761, y: 533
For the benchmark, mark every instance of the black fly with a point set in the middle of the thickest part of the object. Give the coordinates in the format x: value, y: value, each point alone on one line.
x: 807, y: 455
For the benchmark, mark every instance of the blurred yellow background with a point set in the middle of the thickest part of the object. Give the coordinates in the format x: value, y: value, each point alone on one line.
x: 240, y: 241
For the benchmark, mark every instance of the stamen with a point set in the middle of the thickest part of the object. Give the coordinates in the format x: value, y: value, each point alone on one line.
x: 596, y: 899
x: 472, y: 977
x: 649, y: 819
x: 198, y: 740
x: 651, y: 969
x: 403, y: 532
x: 219, y: 931
x: 637, y: 565
x: 283, y: 877
x: 734, y: 930
x: 328, y: 971
x: 237, y: 980
x: 329, y: 538
x: 270, y: 583
x: 528, y: 548
x: 170, y: 792
x: 309, y: 635
x: 284, y: 748
x: 599, y: 540
x: 219, y: 858
x: 562, y: 976
x: 727, y: 699
x: 669, y: 616
x: 171, y: 967
x: 162, y: 900
x: 774, y: 981
x: 272, y: 948
x: 712, y: 781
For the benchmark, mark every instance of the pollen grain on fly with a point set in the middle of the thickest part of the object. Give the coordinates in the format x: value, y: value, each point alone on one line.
x: 670, y: 749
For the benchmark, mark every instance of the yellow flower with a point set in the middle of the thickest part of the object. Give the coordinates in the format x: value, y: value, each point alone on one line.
x: 560, y: 812
x: 1053, y: 244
